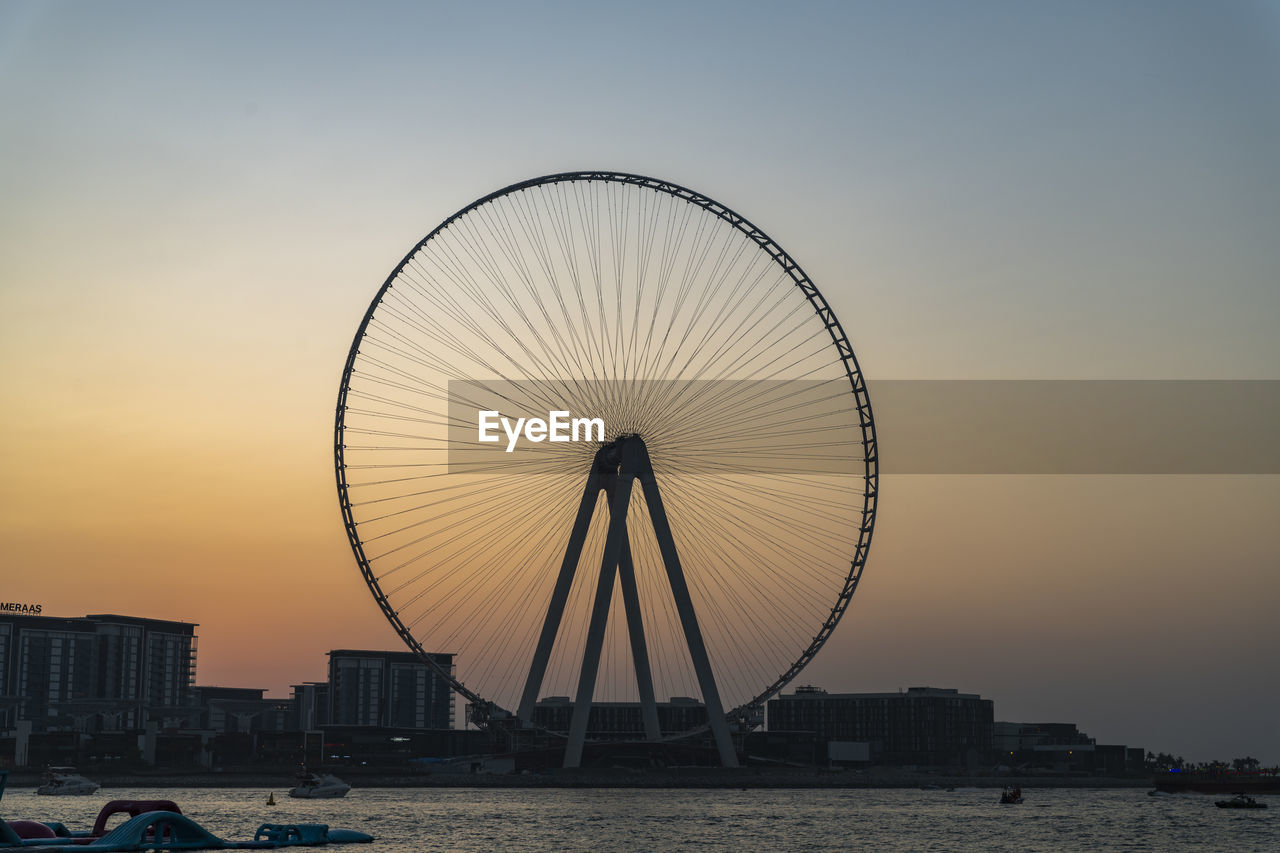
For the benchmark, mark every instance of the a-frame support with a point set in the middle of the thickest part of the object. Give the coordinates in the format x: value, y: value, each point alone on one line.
x: 614, y: 470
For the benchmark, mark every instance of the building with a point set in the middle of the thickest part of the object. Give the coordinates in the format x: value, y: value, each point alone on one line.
x: 1010, y: 738
x: 620, y: 720
x: 404, y: 750
x: 389, y: 690
x: 93, y: 673
x: 240, y: 709
x: 923, y: 726
x: 1061, y: 748
x: 310, y: 705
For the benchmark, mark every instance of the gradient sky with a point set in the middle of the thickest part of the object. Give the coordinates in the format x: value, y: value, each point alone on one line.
x: 198, y: 201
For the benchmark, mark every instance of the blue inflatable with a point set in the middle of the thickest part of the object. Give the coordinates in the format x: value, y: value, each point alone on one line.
x: 164, y: 830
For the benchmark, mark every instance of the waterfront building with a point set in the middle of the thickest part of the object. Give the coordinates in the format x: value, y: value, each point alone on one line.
x: 922, y: 726
x: 240, y: 709
x: 389, y: 690
x: 1061, y: 748
x: 408, y: 750
x: 94, y: 673
x: 310, y: 705
x: 620, y: 720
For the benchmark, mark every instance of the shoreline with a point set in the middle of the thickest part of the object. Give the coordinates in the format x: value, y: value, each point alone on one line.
x: 679, y: 778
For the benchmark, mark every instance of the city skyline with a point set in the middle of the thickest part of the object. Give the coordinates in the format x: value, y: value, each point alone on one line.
x: 201, y: 201
x: 107, y: 674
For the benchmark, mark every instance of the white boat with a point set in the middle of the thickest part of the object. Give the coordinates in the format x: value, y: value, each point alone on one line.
x: 65, y: 780
x: 317, y: 786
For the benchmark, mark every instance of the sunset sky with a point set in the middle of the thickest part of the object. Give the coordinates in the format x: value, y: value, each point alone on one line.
x: 198, y: 201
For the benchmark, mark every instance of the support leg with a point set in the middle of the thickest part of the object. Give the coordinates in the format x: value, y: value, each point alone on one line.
x: 639, y: 649
x: 560, y: 595
x: 599, y: 618
x: 688, y: 619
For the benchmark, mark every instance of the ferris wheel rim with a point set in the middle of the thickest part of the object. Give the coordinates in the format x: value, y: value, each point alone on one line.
x: 839, y: 341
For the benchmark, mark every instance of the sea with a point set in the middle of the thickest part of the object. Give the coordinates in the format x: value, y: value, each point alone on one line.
x: 624, y: 819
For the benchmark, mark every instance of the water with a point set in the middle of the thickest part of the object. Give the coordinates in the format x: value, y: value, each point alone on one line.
x: 421, y: 819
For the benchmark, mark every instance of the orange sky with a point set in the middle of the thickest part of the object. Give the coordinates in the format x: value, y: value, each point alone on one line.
x: 196, y: 206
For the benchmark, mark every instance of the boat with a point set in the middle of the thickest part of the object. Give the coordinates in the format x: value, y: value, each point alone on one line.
x: 1241, y: 800
x: 1011, y: 796
x: 318, y: 786
x: 60, y: 781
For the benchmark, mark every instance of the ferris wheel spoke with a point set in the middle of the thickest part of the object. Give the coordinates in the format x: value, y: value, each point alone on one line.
x: 489, y: 568
x: 511, y: 252
x: 567, y: 354
x: 768, y: 545
x: 451, y: 569
x: 455, y: 530
x: 722, y: 588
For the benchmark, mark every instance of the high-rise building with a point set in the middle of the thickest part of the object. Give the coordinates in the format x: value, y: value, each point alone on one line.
x: 921, y: 726
x: 94, y: 673
x: 389, y: 689
x: 167, y: 664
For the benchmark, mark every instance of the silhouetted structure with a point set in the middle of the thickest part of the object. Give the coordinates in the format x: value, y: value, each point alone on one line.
x: 404, y: 749
x: 310, y: 705
x: 240, y: 709
x: 94, y: 672
x: 620, y: 720
x: 1061, y: 748
x: 119, y: 691
x: 389, y: 689
x: 924, y: 726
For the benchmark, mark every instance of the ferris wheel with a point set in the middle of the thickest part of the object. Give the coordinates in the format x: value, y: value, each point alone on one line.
x: 703, y: 542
